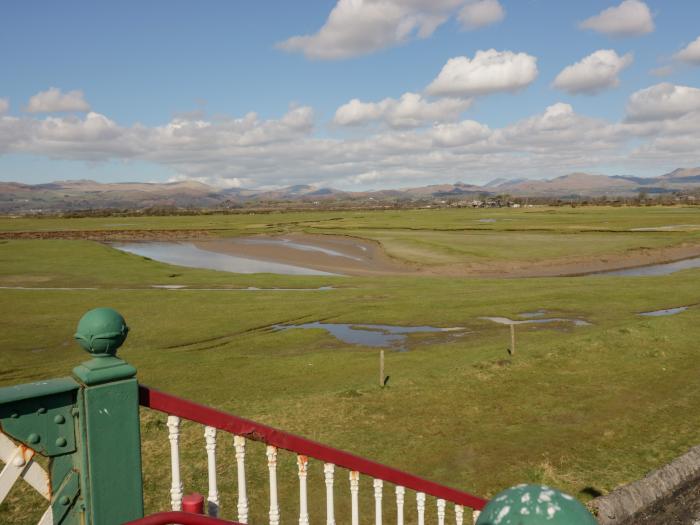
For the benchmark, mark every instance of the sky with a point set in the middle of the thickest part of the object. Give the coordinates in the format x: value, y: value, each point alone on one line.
x: 351, y: 94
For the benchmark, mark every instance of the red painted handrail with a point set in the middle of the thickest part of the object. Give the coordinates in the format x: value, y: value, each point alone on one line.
x: 182, y: 518
x: 205, y: 415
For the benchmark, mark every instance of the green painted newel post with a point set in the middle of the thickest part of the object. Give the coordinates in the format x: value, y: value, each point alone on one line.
x: 110, y: 424
x: 534, y: 505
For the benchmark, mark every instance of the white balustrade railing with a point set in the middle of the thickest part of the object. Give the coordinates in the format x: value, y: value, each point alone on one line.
x: 304, y: 463
x: 239, y: 445
x: 272, y: 468
x: 213, y: 496
x: 175, y: 481
x: 19, y: 463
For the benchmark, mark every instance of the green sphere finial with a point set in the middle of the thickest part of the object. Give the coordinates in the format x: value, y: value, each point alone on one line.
x: 534, y: 505
x: 101, y: 331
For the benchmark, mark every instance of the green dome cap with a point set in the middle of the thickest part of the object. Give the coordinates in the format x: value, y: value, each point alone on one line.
x: 101, y: 331
x: 534, y: 505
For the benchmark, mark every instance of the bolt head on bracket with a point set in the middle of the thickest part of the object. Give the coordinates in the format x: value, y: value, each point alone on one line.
x: 101, y: 331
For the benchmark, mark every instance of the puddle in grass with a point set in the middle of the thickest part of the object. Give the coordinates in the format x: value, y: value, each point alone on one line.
x: 378, y: 335
x: 505, y: 320
x: 667, y: 311
x: 530, y: 315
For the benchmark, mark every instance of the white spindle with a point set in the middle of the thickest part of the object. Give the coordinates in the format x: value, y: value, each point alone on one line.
x: 176, y: 482
x: 354, y: 492
x: 459, y: 515
x: 378, y: 485
x: 400, y: 491
x: 476, y: 515
x: 213, y: 497
x: 239, y: 444
x: 420, y: 502
x: 441, y: 511
x: 272, y: 467
x: 303, y: 462
x: 328, y: 469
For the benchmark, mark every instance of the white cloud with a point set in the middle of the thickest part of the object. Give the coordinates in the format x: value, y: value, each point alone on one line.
x: 662, y: 101
x: 358, y: 27
x: 481, y: 13
x: 409, y: 111
x: 4, y: 105
x: 53, y: 100
x: 690, y: 53
x: 459, y: 133
x: 248, y: 151
x: 630, y: 18
x: 594, y: 73
x: 559, y: 129
x: 488, y: 72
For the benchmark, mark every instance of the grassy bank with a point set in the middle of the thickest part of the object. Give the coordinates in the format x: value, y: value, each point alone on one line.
x: 584, y: 408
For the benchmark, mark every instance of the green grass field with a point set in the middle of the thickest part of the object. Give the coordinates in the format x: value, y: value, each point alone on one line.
x: 584, y: 409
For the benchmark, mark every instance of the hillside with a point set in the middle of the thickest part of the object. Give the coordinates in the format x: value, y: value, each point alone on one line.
x: 75, y: 195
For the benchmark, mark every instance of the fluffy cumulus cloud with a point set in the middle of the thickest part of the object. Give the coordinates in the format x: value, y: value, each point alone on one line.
x: 4, y: 105
x: 691, y: 53
x: 630, y: 18
x: 54, y: 100
x: 488, y: 72
x: 594, y: 73
x: 410, y: 111
x: 459, y: 134
x: 663, y: 126
x: 663, y: 101
x: 481, y: 13
x: 561, y: 131
x: 358, y: 27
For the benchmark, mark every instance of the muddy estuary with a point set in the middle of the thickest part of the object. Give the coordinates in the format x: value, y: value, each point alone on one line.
x: 302, y: 254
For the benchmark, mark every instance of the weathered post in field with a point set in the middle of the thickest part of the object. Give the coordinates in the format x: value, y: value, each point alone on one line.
x: 512, y: 339
x: 381, y: 368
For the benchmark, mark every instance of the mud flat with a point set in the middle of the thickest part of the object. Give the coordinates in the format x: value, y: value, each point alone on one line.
x: 325, y: 253
x: 308, y: 254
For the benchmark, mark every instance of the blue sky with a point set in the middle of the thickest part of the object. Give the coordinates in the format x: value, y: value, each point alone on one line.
x: 164, y: 90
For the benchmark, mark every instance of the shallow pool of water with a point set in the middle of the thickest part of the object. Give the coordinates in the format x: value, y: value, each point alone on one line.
x: 379, y: 335
x: 656, y: 269
x: 667, y: 311
x: 187, y: 254
x: 287, y: 243
x: 505, y: 320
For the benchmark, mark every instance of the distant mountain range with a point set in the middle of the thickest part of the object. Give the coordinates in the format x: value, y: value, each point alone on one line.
x: 86, y: 194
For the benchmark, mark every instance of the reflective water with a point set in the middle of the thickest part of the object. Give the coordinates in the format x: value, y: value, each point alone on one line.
x: 379, y: 335
x: 505, y: 320
x: 667, y: 311
x: 656, y: 269
x: 530, y: 315
x: 187, y: 254
x: 287, y: 243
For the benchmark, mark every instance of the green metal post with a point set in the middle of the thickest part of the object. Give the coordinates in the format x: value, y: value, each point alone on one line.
x: 89, y: 429
x: 109, y: 423
x: 534, y: 505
